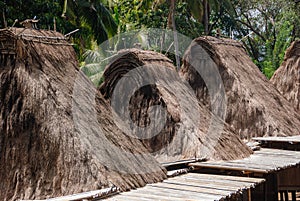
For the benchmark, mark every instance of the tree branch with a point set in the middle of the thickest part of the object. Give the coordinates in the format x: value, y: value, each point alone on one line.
x: 252, y: 29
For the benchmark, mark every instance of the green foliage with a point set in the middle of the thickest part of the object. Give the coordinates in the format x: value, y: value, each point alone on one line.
x: 210, y: 16
x: 269, y: 25
x: 45, y: 11
x: 95, y: 21
x: 186, y: 24
x: 94, y: 64
x: 135, y: 15
x: 98, y: 17
x: 92, y: 17
x: 275, y: 48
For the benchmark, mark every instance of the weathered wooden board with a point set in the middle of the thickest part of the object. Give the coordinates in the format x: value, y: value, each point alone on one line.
x: 262, y: 161
x: 192, y: 186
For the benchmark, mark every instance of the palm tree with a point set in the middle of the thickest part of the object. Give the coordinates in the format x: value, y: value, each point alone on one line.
x: 92, y: 13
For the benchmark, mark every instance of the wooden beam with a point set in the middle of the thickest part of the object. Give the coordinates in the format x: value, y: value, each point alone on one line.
x: 86, y: 195
x: 223, y: 167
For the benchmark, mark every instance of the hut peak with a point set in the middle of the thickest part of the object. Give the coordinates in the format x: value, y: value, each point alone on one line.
x: 30, y: 23
x: 255, y: 107
x: 286, y: 78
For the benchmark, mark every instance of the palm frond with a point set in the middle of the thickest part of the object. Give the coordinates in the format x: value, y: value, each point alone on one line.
x: 97, y: 79
x: 92, y: 69
x: 92, y: 56
x: 96, y: 15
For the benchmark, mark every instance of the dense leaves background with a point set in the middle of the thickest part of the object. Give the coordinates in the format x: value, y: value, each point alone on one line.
x: 266, y: 27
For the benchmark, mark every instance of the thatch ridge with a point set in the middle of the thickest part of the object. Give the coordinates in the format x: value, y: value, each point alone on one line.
x: 181, y: 137
x: 44, y: 150
x: 255, y: 108
x: 127, y: 58
x: 287, y: 77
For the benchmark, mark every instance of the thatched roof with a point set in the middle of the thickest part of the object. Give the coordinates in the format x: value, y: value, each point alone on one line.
x: 254, y: 106
x: 287, y: 78
x: 185, y: 131
x: 56, y: 133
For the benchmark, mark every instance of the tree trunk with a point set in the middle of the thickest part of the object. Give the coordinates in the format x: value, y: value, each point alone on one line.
x: 172, y: 25
x: 4, y: 19
x: 171, y: 14
x: 206, y: 17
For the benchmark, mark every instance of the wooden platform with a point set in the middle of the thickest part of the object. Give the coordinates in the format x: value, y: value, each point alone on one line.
x: 280, y: 169
x: 193, y: 186
x: 288, y: 143
x: 267, y: 175
x: 291, y: 139
x: 263, y: 161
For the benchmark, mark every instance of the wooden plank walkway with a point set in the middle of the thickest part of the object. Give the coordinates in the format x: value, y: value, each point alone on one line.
x: 287, y: 143
x: 191, y: 186
x: 262, y: 161
x: 207, y: 187
x: 290, y: 139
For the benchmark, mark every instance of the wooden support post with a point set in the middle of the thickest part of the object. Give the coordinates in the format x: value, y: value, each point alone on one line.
x: 281, y: 196
x: 266, y: 190
x: 249, y: 194
x: 244, y: 196
x: 293, y: 195
x: 286, y: 196
x: 275, y: 186
x: 271, y: 187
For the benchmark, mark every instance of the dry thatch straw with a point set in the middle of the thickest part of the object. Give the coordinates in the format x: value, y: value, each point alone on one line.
x: 51, y: 117
x: 185, y: 130
x: 254, y: 106
x: 287, y: 78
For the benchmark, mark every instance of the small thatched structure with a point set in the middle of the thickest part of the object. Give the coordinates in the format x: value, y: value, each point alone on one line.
x: 186, y: 131
x: 56, y: 133
x: 254, y: 106
x: 287, y: 78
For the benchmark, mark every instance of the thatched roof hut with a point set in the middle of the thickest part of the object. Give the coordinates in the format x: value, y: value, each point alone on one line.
x: 287, y: 77
x: 148, y: 80
x: 56, y: 133
x: 254, y: 106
